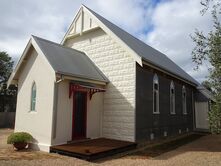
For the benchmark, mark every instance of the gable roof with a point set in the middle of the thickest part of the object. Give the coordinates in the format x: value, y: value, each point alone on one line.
x: 63, y: 60
x: 68, y: 61
x: 144, y: 51
x: 206, y: 93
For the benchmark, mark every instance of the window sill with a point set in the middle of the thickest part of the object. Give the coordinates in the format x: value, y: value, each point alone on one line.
x: 172, y: 113
x: 156, y: 113
x: 32, y: 112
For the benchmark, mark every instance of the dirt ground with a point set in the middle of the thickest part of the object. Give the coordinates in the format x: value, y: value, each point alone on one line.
x: 203, y: 151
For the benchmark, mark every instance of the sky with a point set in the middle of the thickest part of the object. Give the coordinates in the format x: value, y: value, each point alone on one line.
x: 165, y: 25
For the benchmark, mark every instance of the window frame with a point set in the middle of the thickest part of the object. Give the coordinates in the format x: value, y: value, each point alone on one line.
x: 156, y: 81
x: 33, y: 97
x: 172, y: 95
x: 184, y: 106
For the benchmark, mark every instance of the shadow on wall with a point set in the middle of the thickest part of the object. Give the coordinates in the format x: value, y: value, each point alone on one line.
x: 34, y: 144
x: 119, y: 112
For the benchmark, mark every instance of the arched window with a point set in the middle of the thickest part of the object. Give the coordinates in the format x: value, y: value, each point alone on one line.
x: 33, y: 97
x: 184, y: 100
x: 172, y: 98
x: 155, y: 94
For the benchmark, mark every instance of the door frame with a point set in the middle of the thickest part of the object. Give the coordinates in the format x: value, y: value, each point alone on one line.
x: 74, y: 137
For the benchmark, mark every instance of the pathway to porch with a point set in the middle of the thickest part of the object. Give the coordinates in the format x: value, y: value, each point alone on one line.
x: 93, y: 148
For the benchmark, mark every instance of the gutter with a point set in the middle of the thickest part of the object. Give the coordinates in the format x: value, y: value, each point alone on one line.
x: 60, y: 80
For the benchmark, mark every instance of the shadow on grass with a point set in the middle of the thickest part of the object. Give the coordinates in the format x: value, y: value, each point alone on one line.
x: 157, y: 150
x: 152, y: 151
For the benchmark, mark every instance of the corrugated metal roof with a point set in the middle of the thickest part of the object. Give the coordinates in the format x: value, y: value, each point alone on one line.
x: 69, y: 61
x: 206, y: 93
x: 146, y: 52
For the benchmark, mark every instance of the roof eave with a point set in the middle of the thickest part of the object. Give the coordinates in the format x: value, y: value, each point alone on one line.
x: 146, y: 62
x: 136, y: 57
x: 69, y: 28
x: 206, y: 93
x: 11, y: 79
x: 82, y: 78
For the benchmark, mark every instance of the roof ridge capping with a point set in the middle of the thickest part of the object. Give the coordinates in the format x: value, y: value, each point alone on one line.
x: 140, y: 49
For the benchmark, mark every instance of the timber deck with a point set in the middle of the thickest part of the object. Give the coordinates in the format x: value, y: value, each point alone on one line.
x: 93, y: 149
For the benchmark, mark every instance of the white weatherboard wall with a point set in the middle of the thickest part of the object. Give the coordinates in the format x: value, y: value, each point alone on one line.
x: 38, y: 123
x: 201, y: 112
x: 119, y: 67
x: 65, y: 110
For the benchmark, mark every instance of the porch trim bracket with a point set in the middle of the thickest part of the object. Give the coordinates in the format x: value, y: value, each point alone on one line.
x: 73, y: 87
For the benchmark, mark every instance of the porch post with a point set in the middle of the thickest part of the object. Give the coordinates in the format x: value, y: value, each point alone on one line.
x: 54, y: 116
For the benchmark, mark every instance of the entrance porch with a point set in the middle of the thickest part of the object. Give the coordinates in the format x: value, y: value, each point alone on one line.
x: 81, y: 95
x: 93, y: 148
x: 79, y: 109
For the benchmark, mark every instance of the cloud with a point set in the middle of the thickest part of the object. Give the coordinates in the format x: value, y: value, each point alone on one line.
x: 50, y: 19
x: 21, y: 19
x: 131, y: 15
x: 173, y: 22
x: 163, y: 24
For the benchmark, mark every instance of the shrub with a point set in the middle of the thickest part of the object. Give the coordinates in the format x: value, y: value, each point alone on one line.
x: 215, y: 118
x: 19, y: 137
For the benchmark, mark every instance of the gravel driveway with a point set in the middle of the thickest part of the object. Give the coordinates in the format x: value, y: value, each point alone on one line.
x: 204, y: 151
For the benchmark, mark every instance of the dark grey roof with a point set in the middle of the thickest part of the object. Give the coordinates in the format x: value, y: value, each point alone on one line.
x: 146, y: 52
x: 69, y: 61
x: 205, y: 92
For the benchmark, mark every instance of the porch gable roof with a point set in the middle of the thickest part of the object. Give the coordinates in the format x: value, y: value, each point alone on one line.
x: 68, y: 61
x: 63, y: 60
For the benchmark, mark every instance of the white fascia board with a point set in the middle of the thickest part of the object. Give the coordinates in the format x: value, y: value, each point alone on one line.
x: 83, y: 32
x: 72, y: 24
x: 11, y: 78
x: 136, y: 57
x: 40, y: 52
x: 75, y: 78
x: 33, y: 43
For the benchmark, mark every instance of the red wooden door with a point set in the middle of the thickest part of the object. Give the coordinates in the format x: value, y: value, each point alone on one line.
x: 79, y: 118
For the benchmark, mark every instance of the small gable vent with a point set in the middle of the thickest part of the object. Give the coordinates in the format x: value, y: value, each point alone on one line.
x: 152, y: 136
x: 165, y: 133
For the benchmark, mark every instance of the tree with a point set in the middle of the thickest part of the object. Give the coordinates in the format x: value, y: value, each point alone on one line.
x: 208, y: 48
x: 7, y: 96
x: 6, y: 66
x: 207, y: 85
